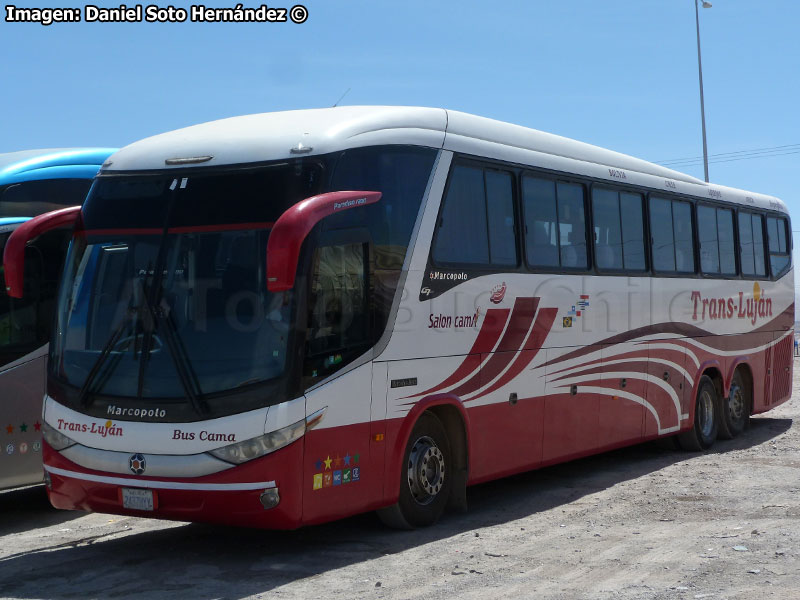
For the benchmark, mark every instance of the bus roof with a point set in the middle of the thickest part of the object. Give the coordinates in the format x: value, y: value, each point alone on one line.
x: 51, y: 163
x: 290, y: 134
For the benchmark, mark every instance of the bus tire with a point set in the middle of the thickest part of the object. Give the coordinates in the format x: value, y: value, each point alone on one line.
x: 735, y: 410
x: 425, y: 477
x: 706, y: 418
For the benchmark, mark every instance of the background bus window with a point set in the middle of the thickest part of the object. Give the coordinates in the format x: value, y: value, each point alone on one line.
x: 36, y: 197
x: 671, y: 231
x: 779, y: 257
x: 478, y: 209
x: 555, y: 223
x: 618, y: 231
x: 751, y: 245
x: 25, y: 322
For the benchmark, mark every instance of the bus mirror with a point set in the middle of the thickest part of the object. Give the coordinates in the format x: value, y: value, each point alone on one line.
x: 14, y: 253
x: 289, y: 231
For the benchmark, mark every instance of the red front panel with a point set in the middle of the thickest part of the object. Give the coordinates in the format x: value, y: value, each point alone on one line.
x: 242, y: 508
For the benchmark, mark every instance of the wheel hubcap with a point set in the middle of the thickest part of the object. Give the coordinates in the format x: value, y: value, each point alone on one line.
x: 705, y: 415
x: 426, y: 470
x: 736, y: 403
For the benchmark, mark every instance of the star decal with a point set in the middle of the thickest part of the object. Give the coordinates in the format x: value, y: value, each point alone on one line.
x: 318, y: 465
x: 23, y: 428
x: 347, y: 459
x: 327, y: 462
x: 337, y: 462
x: 10, y: 429
x: 37, y: 426
x: 356, y: 457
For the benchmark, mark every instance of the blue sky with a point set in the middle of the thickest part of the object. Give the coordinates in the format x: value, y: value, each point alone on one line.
x: 620, y: 74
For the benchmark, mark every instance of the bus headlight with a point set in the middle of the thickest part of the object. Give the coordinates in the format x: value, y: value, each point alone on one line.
x: 269, y: 442
x: 56, y: 440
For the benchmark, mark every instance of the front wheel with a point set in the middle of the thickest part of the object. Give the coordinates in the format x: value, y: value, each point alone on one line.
x: 426, y: 477
x: 706, y: 418
x: 735, y: 410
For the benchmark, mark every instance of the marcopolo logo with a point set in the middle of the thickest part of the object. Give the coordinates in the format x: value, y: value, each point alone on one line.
x: 140, y: 413
x: 735, y: 307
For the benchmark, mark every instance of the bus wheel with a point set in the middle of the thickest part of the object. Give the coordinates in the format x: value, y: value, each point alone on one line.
x: 706, y: 418
x: 425, y: 478
x: 735, y: 410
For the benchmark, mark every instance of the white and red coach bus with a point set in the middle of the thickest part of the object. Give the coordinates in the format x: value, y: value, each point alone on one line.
x: 283, y: 319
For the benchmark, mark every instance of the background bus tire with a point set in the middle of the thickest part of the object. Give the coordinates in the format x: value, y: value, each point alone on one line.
x: 707, y: 407
x: 735, y: 409
x: 427, y: 442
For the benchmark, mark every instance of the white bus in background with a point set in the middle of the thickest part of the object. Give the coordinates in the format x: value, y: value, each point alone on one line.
x: 287, y: 318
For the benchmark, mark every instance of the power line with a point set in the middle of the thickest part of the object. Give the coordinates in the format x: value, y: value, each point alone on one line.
x: 783, y: 150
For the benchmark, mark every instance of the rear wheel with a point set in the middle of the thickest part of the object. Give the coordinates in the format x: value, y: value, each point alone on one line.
x: 706, y: 418
x: 425, y: 477
x: 735, y: 409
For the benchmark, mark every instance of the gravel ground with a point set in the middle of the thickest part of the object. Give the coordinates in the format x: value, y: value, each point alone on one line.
x: 643, y: 522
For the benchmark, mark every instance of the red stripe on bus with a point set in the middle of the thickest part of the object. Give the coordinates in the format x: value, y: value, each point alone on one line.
x: 513, y: 338
x: 492, y: 327
x: 541, y: 327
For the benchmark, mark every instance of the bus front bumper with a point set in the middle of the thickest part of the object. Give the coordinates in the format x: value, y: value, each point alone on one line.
x: 240, y: 496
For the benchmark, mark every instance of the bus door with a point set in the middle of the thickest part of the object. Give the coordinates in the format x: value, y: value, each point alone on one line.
x: 339, y: 473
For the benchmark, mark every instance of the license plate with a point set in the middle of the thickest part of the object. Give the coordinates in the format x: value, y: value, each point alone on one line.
x: 137, y: 499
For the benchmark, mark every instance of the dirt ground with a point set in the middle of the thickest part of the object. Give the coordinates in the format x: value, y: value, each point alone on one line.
x: 643, y: 522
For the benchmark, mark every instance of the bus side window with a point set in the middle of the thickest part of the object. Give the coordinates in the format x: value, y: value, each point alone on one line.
x: 618, y: 230
x: 671, y: 231
x: 338, y: 316
x: 751, y: 245
x: 478, y: 207
x: 555, y: 223
x: 779, y: 257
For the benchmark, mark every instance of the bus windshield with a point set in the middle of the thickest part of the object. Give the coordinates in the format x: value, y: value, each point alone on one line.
x: 165, y: 296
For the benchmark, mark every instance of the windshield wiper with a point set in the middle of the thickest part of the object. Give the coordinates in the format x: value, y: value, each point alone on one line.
x: 177, y: 351
x: 84, y: 399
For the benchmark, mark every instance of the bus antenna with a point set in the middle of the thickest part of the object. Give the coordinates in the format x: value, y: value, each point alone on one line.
x: 341, y: 97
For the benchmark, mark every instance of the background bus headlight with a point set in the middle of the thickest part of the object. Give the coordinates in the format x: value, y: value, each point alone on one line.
x: 56, y: 440
x: 261, y: 445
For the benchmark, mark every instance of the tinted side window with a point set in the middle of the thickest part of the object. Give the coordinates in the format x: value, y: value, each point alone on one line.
x: 715, y: 232
x: 671, y: 227
x: 476, y: 223
x: 500, y: 210
x: 541, y: 222
x: 632, y: 213
x: 618, y: 230
x: 661, y: 232
x: 707, y: 235
x: 727, y: 252
x: 779, y: 257
x: 463, y: 217
x: 751, y: 244
x: 555, y: 222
